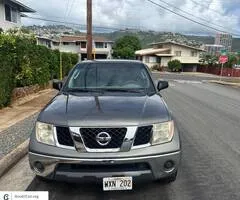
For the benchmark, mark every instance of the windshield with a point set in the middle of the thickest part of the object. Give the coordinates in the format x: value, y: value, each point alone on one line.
x: 111, y: 77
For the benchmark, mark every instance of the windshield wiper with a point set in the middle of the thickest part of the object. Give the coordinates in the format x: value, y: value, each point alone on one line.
x: 82, y: 90
x: 123, y: 90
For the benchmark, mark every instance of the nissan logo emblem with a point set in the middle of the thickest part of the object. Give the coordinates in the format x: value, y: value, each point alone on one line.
x: 103, y: 138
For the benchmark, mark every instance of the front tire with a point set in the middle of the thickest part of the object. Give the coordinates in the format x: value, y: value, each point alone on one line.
x: 169, y: 179
x: 43, y: 179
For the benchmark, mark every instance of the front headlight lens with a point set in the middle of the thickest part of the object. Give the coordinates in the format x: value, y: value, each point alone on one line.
x: 45, y: 133
x: 162, y: 132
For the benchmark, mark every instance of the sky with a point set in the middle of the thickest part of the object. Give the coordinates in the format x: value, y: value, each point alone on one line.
x: 141, y: 14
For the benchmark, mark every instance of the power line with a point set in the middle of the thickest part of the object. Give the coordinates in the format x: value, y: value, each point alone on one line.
x: 75, y: 24
x: 34, y: 15
x: 205, y: 6
x: 193, y: 15
x: 67, y: 5
x: 69, y: 12
x: 187, y: 18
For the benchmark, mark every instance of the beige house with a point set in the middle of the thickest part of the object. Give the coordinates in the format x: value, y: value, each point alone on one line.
x: 11, y: 12
x: 102, y: 47
x: 162, y: 52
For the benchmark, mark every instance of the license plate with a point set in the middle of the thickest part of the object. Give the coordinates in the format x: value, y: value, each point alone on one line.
x: 117, y: 183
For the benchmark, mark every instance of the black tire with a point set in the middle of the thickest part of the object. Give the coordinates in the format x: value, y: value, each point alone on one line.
x: 171, y: 178
x: 168, y: 179
x: 42, y: 179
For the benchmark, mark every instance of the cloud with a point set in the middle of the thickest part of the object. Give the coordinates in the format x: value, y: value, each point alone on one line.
x: 142, y: 14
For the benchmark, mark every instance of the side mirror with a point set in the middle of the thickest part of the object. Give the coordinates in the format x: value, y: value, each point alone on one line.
x: 162, y: 85
x: 57, y: 84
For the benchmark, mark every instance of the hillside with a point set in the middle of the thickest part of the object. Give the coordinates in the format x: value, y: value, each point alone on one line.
x: 210, y: 40
x: 150, y: 37
x: 146, y: 37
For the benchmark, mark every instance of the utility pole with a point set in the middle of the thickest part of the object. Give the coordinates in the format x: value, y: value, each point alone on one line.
x: 89, y: 29
x: 60, y: 58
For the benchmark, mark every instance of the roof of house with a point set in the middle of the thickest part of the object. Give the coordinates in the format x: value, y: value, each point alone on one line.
x: 179, y: 44
x: 148, y: 51
x: 72, y: 38
x: 21, y: 7
x: 213, y: 45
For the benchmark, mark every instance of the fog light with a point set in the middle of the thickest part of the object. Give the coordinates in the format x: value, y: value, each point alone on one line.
x: 169, y: 165
x: 38, y: 167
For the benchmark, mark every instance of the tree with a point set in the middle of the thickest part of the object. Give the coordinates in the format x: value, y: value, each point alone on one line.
x: 232, y: 59
x: 126, y: 46
x: 208, y: 59
x: 175, y: 65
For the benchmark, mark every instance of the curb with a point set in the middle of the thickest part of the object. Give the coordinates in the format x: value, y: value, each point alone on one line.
x: 8, y: 161
x: 225, y: 83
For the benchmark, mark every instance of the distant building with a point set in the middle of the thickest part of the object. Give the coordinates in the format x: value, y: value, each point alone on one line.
x: 45, y: 41
x: 213, y: 49
x: 102, y: 47
x: 11, y: 12
x: 225, y: 40
x: 163, y: 52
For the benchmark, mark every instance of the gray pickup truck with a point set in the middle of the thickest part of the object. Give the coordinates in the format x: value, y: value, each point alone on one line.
x: 108, y: 122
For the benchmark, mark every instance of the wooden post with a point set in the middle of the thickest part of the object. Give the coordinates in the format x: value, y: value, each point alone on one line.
x: 89, y: 29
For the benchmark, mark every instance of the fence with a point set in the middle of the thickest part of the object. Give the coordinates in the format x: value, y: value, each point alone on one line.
x: 217, y: 71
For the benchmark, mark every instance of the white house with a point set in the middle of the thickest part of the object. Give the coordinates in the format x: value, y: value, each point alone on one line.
x: 162, y: 52
x: 11, y: 12
x: 102, y: 47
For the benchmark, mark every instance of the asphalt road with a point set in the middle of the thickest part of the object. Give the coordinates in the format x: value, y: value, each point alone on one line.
x: 186, y: 77
x: 208, y: 117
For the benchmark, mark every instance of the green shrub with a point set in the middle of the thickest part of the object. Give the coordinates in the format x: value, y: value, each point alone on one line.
x: 175, y: 65
x: 156, y: 68
x: 7, y: 65
x: 23, y: 63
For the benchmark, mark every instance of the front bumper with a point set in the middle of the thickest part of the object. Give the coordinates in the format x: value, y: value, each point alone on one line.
x: 156, y: 169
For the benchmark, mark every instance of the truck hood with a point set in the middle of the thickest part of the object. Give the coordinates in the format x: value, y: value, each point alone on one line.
x: 104, y: 111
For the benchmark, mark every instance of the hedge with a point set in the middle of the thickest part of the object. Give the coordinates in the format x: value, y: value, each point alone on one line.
x: 23, y: 63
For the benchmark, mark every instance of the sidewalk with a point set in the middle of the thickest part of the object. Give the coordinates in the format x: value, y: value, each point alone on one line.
x: 24, y: 108
x: 16, y: 125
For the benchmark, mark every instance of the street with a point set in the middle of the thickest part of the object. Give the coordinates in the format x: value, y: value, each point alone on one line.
x: 208, y: 118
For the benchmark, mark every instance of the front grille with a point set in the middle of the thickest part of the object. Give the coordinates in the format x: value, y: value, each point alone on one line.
x: 64, y: 136
x: 89, y: 137
x: 102, y: 167
x: 143, y: 135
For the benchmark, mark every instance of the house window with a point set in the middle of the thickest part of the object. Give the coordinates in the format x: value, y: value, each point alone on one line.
x: 55, y: 43
x: 158, y: 59
x: 178, y: 53
x: 99, y: 45
x: 83, y: 45
x: 78, y: 43
x: 65, y: 43
x: 193, y: 53
x: 105, y: 45
x: 146, y: 59
x: 14, y: 15
x: 152, y: 59
x: 8, y: 16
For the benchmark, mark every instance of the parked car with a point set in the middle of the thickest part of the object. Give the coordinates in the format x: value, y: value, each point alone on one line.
x: 108, y: 122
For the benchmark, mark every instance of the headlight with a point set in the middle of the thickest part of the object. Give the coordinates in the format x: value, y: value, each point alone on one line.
x: 44, y: 133
x: 162, y: 132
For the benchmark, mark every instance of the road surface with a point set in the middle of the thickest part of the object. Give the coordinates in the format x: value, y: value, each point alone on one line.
x: 208, y: 117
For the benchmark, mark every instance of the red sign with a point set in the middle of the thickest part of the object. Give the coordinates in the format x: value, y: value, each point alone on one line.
x: 223, y: 59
